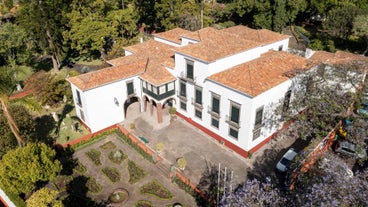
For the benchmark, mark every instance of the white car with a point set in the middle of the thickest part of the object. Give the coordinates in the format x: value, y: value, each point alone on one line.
x: 284, y: 163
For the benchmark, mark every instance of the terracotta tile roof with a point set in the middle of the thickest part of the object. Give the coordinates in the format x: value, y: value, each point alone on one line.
x: 108, y: 75
x: 148, y: 60
x: 262, y: 36
x: 173, y: 35
x: 261, y: 74
x: 215, y: 44
x: 339, y: 57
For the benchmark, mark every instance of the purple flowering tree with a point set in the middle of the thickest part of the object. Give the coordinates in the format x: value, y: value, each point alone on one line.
x: 331, y: 183
x: 254, y: 193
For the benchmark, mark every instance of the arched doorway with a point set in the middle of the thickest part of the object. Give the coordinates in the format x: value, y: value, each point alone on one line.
x: 169, y: 103
x: 132, y: 107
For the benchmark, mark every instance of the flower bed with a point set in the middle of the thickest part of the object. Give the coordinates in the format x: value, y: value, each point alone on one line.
x: 156, y: 189
x: 80, y: 168
x: 93, y: 186
x: 94, y: 156
x: 117, y: 156
x: 111, y: 173
x: 108, y: 145
x: 135, y: 172
x: 143, y: 203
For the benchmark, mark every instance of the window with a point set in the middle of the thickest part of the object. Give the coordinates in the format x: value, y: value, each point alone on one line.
x: 258, y: 123
x: 233, y: 132
x: 285, y: 106
x: 198, y: 113
x: 198, y: 95
x: 190, y: 74
x: 234, y: 112
x: 280, y: 47
x: 259, y: 116
x: 81, y: 114
x: 183, y: 89
x: 79, y: 100
x: 215, y: 122
x: 162, y: 89
x: 130, y: 88
x: 154, y: 89
x: 215, y: 103
x: 183, y: 105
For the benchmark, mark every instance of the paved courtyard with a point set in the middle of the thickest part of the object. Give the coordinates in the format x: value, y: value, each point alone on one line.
x: 203, y: 153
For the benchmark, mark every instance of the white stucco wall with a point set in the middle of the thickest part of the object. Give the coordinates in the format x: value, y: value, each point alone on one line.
x: 100, y: 110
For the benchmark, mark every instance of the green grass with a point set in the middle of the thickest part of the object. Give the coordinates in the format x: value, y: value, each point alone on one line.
x: 96, y: 62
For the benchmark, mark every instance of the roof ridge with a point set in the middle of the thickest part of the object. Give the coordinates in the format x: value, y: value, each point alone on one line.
x: 250, y: 80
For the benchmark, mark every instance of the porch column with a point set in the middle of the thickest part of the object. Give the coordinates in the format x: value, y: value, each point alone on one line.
x: 151, y: 108
x: 159, y: 113
x: 145, y: 104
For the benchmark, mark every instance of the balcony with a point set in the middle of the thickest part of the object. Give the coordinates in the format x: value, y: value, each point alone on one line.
x: 159, y: 97
x: 185, y: 78
x: 196, y: 105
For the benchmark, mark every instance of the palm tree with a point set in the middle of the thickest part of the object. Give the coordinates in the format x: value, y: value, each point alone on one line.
x: 7, y: 85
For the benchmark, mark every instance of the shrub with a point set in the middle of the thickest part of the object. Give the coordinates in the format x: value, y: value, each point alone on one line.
x: 136, y: 147
x: 80, y: 168
x: 108, y: 145
x: 111, y: 173
x: 135, y: 172
x: 94, y: 156
x: 143, y: 203
x: 156, y: 189
x: 95, y: 138
x: 160, y: 146
x: 117, y: 156
x: 172, y: 110
x: 93, y: 186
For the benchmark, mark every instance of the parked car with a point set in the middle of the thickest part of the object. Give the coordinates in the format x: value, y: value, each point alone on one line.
x: 363, y: 110
x: 350, y: 149
x: 285, y: 161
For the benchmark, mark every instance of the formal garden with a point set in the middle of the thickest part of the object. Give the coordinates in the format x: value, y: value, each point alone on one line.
x: 107, y: 170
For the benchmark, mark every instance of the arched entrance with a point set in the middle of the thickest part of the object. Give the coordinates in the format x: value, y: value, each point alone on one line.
x: 132, y: 107
x: 169, y: 103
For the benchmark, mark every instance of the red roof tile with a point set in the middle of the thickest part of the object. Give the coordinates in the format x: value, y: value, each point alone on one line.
x: 261, y: 74
x: 339, y: 57
x: 148, y: 60
x: 173, y: 35
x: 215, y: 44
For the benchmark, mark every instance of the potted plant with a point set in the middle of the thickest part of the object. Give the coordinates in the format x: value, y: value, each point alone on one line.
x: 172, y: 111
x: 182, y: 163
x: 160, y: 146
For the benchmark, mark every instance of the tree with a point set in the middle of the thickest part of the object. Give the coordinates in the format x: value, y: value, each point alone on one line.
x: 44, y: 21
x: 44, y: 197
x: 90, y: 34
x: 22, y: 169
x: 7, y: 85
x: 13, y: 44
x: 26, y: 125
x: 330, y: 183
x: 360, y: 29
x: 49, y: 88
x: 254, y: 193
x: 339, y: 21
x: 324, y: 98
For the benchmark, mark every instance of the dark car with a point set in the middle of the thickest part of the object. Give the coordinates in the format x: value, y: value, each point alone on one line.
x: 350, y: 149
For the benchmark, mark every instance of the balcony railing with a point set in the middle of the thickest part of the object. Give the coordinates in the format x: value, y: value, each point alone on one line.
x: 159, y: 96
x: 183, y: 76
x: 213, y: 113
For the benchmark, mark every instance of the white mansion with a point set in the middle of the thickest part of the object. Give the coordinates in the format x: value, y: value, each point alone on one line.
x: 225, y: 82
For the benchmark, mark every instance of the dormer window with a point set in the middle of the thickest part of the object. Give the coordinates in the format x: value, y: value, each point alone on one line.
x: 189, y: 70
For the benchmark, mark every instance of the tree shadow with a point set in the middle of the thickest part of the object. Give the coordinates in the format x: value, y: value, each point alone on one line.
x: 77, y: 194
x: 67, y: 109
x: 65, y: 156
x: 44, y: 126
x: 42, y: 63
x: 214, y: 184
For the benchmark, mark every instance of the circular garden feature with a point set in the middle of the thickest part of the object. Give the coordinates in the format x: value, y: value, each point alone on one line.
x: 119, y: 196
